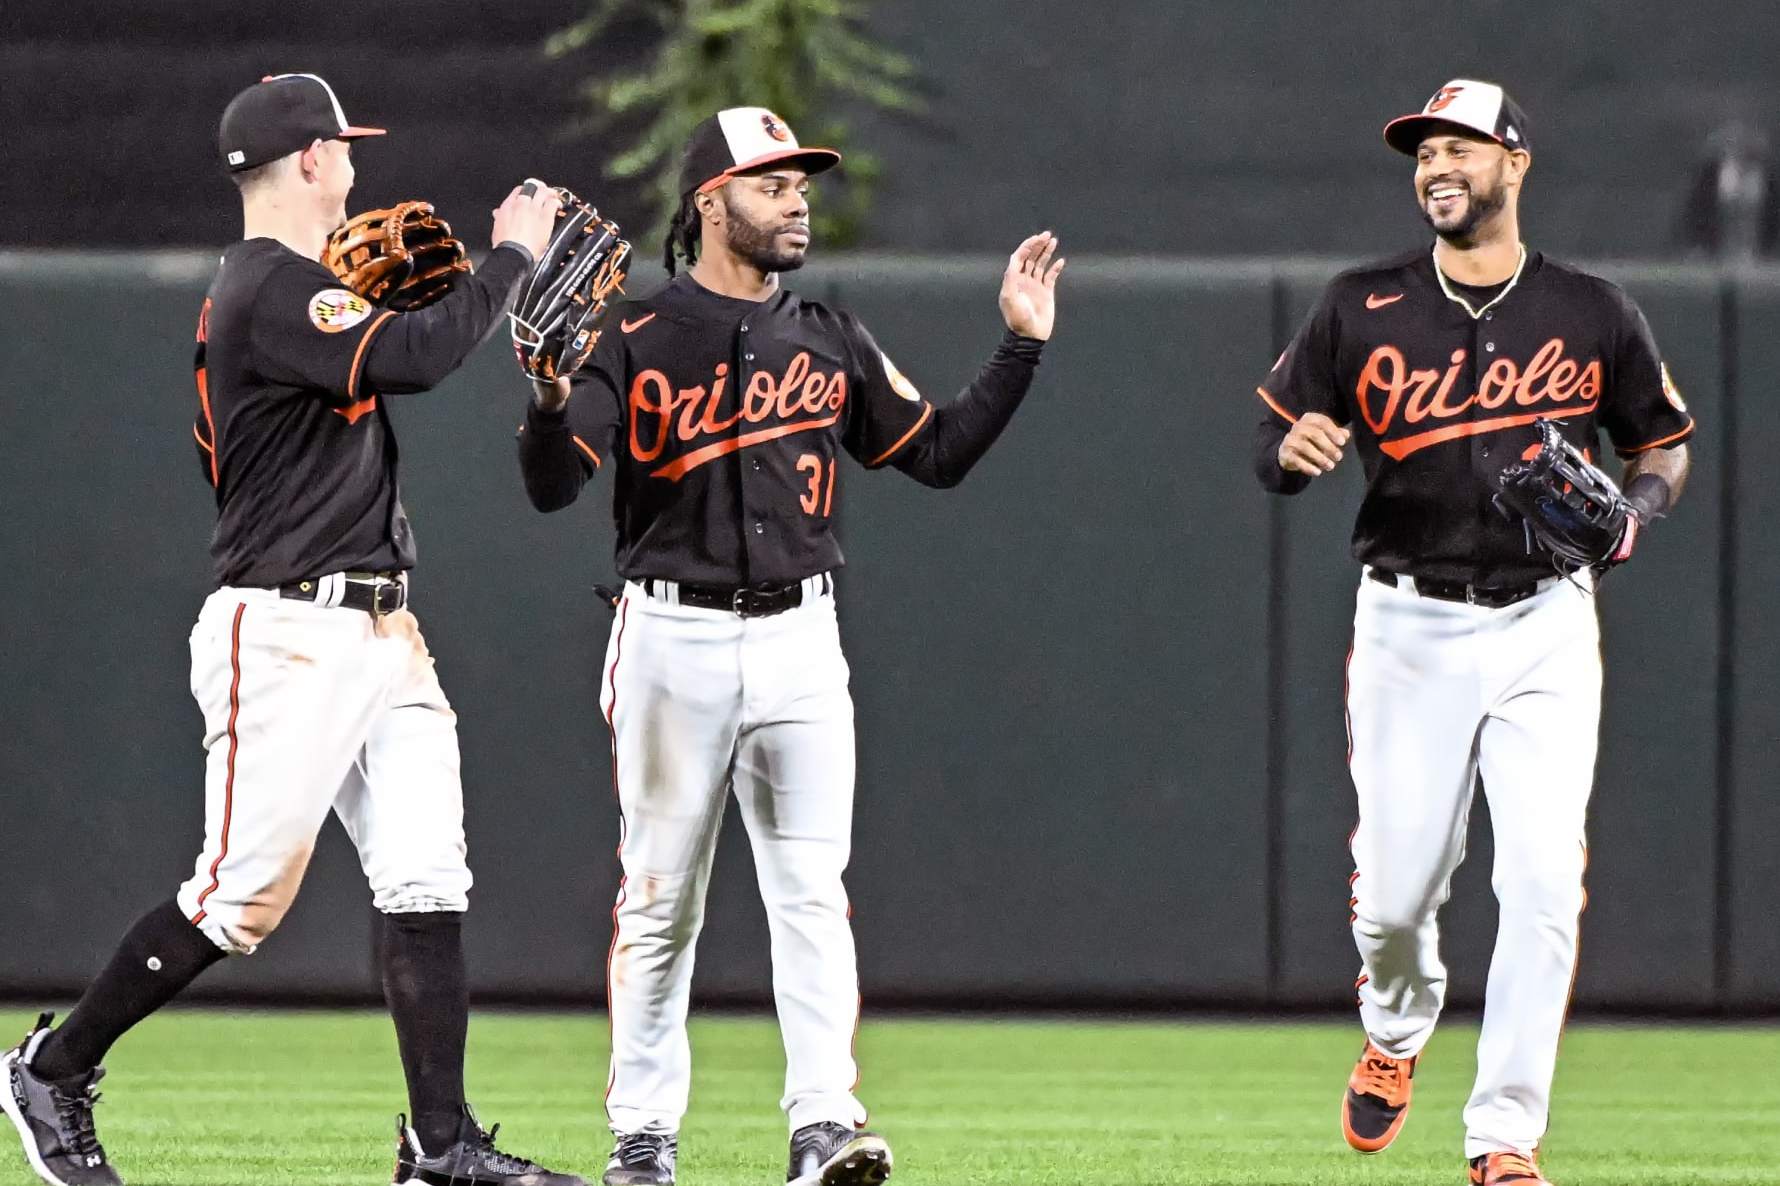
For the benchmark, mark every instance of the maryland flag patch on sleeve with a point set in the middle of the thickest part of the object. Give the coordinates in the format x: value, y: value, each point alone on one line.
x: 899, y: 382
x: 1671, y: 392
x: 334, y: 309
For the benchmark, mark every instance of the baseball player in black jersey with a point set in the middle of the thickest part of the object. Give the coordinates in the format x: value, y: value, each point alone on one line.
x: 721, y: 406
x: 317, y: 689
x: 1472, y: 660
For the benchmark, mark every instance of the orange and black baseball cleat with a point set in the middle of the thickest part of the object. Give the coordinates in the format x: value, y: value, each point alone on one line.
x: 1506, y: 1169
x: 1377, y: 1099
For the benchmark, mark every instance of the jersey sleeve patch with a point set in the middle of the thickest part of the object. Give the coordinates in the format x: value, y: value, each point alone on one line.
x: 1672, y: 392
x: 334, y: 310
x: 898, y: 381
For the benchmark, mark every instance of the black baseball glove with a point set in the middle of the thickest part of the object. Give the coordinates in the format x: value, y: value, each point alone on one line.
x: 402, y: 258
x: 1568, y: 506
x: 557, y: 315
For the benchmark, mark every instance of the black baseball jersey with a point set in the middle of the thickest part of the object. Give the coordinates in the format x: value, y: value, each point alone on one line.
x: 1442, y: 392
x: 290, y: 430
x: 724, y: 419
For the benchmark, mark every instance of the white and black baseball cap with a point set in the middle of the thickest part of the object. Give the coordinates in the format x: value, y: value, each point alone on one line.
x: 1480, y: 108
x: 740, y: 140
x: 281, y: 114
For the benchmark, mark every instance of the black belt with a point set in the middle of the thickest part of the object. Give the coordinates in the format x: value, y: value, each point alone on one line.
x: 749, y: 601
x: 1488, y: 596
x: 374, y: 593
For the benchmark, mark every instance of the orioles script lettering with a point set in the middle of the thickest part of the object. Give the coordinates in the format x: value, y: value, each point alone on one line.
x: 803, y: 399
x: 1391, y: 394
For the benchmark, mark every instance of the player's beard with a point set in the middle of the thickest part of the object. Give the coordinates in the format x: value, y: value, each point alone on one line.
x: 1480, y: 205
x: 757, y: 244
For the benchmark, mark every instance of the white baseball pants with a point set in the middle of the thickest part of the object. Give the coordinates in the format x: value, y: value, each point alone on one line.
x: 699, y: 702
x: 1439, y: 694
x: 308, y: 708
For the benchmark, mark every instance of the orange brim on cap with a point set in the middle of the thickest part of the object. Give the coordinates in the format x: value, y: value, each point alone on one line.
x: 1406, y: 132
x: 821, y: 159
x: 355, y: 133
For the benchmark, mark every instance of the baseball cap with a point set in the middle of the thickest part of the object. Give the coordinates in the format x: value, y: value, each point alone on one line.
x: 278, y: 115
x: 740, y: 139
x: 1480, y: 107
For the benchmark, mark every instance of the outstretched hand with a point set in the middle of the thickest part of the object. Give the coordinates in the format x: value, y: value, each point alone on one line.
x: 1029, y: 287
x: 527, y: 216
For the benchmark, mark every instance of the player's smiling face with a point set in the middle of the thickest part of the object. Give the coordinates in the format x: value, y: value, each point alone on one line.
x: 767, y: 219
x: 1462, y: 181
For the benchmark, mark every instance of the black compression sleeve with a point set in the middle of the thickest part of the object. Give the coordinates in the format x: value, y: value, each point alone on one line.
x: 547, y: 458
x: 1649, y: 495
x: 416, y: 351
x: 964, y: 429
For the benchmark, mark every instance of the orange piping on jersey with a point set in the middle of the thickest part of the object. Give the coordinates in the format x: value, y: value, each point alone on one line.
x: 203, y: 401
x: 229, y: 781
x: 1402, y: 447
x: 1668, y: 440
x: 353, y: 412
x: 881, y: 458
x: 623, y: 881
x: 358, y: 356
x: 1268, y: 399
x: 582, y: 445
x: 681, y: 466
x: 202, y: 443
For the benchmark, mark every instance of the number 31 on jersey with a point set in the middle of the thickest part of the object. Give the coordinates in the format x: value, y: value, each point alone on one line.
x: 821, y: 490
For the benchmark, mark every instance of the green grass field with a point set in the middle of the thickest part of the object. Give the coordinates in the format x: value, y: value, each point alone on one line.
x: 206, y: 1098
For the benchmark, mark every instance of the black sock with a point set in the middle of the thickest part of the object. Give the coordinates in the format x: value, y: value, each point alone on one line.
x: 157, y: 958
x: 429, y: 999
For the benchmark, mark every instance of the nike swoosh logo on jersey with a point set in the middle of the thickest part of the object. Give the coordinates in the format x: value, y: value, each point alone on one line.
x: 1374, y: 301
x: 631, y: 327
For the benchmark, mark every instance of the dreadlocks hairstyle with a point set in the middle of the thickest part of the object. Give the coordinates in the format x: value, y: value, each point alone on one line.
x: 683, y: 234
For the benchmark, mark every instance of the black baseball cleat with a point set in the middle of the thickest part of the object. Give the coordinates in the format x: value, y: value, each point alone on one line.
x: 471, y: 1160
x: 55, y: 1117
x: 642, y: 1159
x: 830, y: 1154
x: 1376, y: 1102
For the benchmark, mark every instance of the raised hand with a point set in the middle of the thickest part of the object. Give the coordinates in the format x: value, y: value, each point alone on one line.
x: 1029, y: 287
x: 527, y: 216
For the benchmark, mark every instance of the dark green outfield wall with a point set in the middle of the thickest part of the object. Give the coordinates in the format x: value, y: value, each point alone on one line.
x: 1099, y: 685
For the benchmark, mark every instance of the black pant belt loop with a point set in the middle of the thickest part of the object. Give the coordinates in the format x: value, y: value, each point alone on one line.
x: 374, y: 593
x: 1488, y: 596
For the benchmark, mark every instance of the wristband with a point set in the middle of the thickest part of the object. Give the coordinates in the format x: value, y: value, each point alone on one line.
x: 1649, y: 495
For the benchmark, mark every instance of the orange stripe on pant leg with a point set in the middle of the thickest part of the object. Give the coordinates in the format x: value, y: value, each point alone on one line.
x: 853, y: 1048
x: 234, y: 746
x: 1576, y: 957
x: 612, y: 951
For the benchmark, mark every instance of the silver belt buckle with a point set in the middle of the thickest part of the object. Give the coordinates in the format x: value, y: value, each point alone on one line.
x: 1470, y: 594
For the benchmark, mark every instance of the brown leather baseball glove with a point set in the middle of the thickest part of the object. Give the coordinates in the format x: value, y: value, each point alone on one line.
x: 402, y: 258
